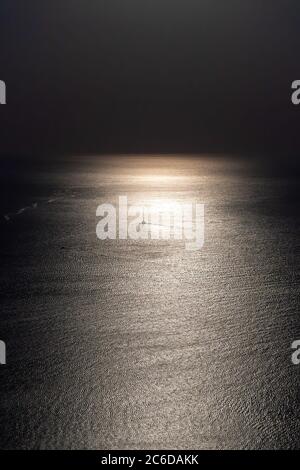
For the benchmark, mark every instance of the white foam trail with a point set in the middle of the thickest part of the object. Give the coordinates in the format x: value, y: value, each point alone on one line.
x: 22, y: 210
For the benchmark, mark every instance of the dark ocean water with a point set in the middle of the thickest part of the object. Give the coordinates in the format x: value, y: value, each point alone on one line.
x: 123, y: 344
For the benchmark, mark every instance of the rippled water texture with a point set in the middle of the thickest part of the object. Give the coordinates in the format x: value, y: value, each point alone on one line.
x: 123, y: 344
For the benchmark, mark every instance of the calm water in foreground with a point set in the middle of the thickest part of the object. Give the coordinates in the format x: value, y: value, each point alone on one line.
x: 123, y: 344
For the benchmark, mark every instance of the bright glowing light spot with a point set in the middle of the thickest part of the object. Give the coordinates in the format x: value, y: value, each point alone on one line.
x: 165, y: 205
x: 158, y: 179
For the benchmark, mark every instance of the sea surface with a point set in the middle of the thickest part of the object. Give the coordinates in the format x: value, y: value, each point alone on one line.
x: 124, y: 344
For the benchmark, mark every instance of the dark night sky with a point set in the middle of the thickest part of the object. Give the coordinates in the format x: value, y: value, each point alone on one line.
x: 149, y: 76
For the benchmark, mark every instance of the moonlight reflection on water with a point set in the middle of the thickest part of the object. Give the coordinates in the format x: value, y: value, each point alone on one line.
x: 125, y: 344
